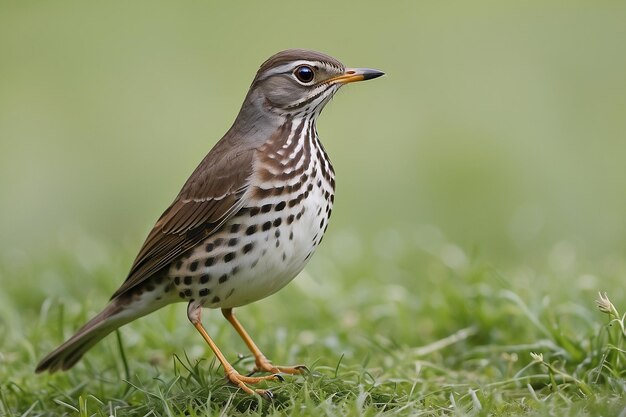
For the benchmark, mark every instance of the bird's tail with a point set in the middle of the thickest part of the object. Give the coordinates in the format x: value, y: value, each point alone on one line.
x: 66, y: 355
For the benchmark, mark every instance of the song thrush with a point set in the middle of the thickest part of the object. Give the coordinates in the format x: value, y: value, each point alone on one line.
x: 247, y: 220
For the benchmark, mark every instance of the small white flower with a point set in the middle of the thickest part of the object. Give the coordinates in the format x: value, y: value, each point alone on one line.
x: 606, y: 306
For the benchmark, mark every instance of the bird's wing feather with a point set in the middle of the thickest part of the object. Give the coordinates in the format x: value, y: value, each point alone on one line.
x: 209, y: 198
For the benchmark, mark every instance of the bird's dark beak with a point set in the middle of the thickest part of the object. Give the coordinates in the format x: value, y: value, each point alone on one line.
x: 352, y: 75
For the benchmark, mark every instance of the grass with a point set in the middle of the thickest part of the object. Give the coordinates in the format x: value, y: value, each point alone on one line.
x: 395, y: 325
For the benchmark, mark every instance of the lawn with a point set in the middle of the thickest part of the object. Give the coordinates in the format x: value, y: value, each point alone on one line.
x: 479, y: 217
x: 405, y: 324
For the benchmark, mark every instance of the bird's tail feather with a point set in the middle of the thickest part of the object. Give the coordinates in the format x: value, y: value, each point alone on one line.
x: 66, y: 355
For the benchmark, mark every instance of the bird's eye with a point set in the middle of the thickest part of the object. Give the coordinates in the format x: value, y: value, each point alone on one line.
x: 304, y: 73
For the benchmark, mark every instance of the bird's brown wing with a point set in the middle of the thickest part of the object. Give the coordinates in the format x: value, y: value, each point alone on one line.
x: 211, y: 196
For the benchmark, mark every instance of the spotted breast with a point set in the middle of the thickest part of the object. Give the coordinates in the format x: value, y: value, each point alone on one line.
x: 269, y: 241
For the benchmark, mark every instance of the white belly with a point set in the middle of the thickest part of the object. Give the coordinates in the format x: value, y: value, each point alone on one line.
x: 282, y: 251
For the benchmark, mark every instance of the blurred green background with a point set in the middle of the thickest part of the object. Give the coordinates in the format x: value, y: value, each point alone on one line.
x: 500, y: 125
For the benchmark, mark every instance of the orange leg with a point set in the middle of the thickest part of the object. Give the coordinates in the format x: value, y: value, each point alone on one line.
x: 193, y: 313
x: 262, y: 363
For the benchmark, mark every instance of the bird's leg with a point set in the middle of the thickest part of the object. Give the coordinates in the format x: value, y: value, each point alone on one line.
x: 194, y: 311
x: 261, y: 362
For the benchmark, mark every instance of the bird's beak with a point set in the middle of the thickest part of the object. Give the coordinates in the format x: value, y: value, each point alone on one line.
x: 351, y: 75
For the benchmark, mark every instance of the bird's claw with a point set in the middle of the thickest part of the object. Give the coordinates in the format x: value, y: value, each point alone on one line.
x: 302, y: 369
x: 265, y: 394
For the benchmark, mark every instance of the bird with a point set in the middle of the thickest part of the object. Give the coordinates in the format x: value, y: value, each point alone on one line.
x: 247, y: 220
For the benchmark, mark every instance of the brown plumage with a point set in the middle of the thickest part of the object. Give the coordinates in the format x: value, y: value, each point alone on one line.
x: 209, y: 198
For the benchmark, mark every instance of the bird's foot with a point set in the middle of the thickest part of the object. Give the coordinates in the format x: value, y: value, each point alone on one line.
x: 243, y: 381
x: 264, y: 365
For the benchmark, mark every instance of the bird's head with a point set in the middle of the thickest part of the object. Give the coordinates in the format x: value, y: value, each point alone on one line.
x: 298, y: 83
